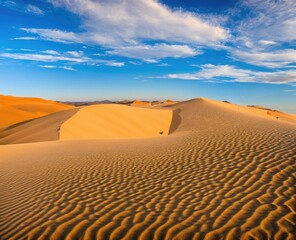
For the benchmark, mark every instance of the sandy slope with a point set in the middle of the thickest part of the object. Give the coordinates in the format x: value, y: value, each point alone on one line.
x: 18, y: 109
x: 222, y: 174
x: 114, y: 121
x: 103, y: 121
x: 41, y: 129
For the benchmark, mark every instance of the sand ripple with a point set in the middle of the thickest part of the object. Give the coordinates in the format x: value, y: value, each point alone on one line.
x: 220, y: 175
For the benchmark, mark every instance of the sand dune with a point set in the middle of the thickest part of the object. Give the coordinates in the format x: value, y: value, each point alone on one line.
x: 263, y: 112
x: 276, y: 114
x: 103, y: 121
x: 18, y: 109
x: 222, y: 173
x: 114, y: 121
x: 168, y: 102
x: 141, y: 103
x: 41, y: 129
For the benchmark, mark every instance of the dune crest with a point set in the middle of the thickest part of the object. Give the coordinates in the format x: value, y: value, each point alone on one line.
x: 252, y: 110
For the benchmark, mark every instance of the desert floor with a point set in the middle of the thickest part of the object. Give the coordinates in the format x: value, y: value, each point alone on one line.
x: 222, y: 172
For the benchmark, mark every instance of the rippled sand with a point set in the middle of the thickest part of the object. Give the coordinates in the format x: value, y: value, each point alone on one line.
x: 222, y: 173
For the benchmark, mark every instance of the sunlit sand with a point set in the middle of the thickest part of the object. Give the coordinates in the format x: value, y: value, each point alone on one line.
x: 218, y: 171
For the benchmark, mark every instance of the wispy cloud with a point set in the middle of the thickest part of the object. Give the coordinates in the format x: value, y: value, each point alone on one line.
x: 75, y: 53
x: 42, y: 57
x: 21, y: 6
x: 226, y: 73
x: 54, y: 35
x: 269, y: 20
x: 52, y: 52
x: 69, y: 68
x: 34, y: 10
x: 7, y: 3
x: 25, y: 38
x: 272, y: 59
x: 156, y: 51
x: 265, y: 33
x: 114, y: 64
x: 49, y: 56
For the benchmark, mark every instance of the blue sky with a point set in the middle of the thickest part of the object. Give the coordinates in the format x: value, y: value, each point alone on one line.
x: 240, y: 51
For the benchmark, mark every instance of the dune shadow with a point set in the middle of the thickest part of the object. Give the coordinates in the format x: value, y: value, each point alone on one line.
x: 176, y: 121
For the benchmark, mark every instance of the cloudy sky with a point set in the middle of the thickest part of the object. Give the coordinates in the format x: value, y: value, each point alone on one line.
x: 240, y: 51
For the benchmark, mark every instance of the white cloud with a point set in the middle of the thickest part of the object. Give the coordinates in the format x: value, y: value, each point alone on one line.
x: 42, y: 57
x: 53, y: 56
x: 53, y: 35
x: 25, y: 38
x: 69, y: 68
x: 272, y: 59
x: 131, y: 21
x: 123, y: 26
x: 34, y: 9
x: 52, y: 52
x: 27, y: 50
x: 226, y: 73
x: 154, y: 52
x: 266, y: 42
x: 269, y: 20
x: 114, y: 64
x: 149, y: 60
x: 75, y: 53
x: 264, y: 32
x: 209, y: 71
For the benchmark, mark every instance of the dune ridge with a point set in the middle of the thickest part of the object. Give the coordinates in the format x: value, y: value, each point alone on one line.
x: 221, y: 174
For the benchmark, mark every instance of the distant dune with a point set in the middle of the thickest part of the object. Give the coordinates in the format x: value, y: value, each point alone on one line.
x: 169, y: 102
x: 223, y: 172
x: 18, y: 109
x: 276, y: 113
x: 141, y: 103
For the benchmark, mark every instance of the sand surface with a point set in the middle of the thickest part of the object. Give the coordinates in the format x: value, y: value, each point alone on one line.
x: 41, y: 129
x: 115, y: 121
x: 222, y: 173
x: 18, y: 109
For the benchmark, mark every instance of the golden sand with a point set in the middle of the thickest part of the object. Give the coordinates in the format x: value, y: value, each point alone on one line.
x: 114, y: 121
x: 222, y: 173
x: 18, y: 109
